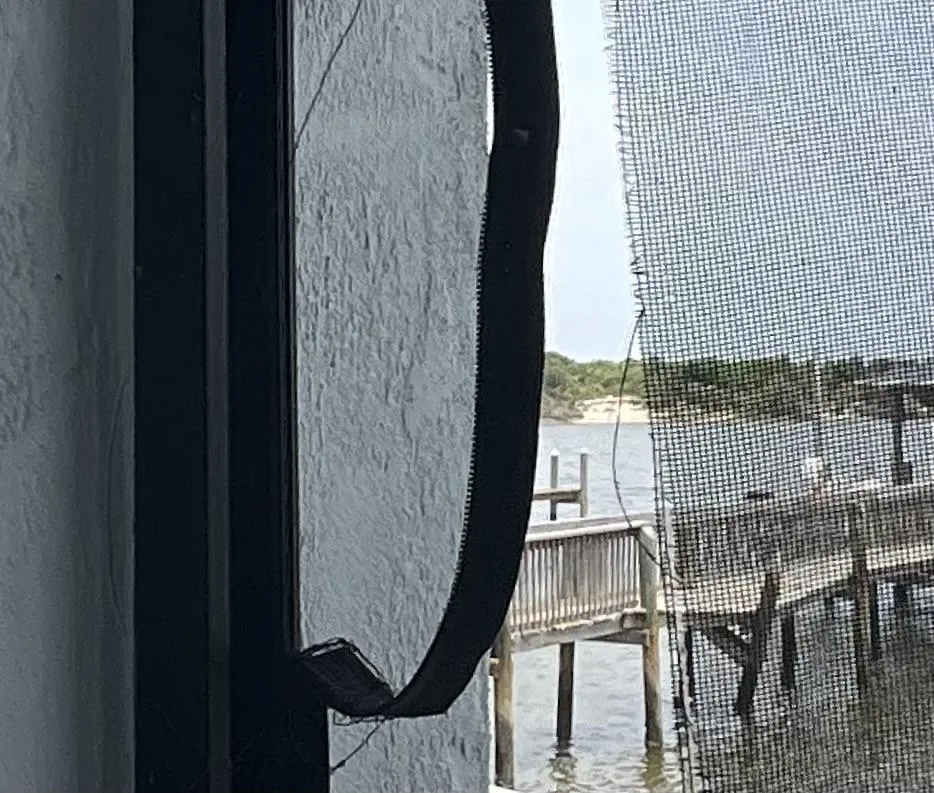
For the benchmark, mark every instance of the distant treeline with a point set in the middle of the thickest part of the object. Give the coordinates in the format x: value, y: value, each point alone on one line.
x: 768, y: 387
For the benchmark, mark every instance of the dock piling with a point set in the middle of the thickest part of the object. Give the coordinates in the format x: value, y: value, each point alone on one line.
x: 555, y: 464
x: 504, y: 724
x: 758, y: 644
x: 565, y: 715
x: 901, y: 597
x: 584, y: 497
x: 862, y: 619
x: 651, y: 661
x: 789, y: 651
x: 875, y: 631
x: 689, y: 661
x: 565, y: 697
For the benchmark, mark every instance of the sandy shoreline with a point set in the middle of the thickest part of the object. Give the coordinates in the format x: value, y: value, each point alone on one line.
x: 605, y: 411
x: 632, y: 411
x: 609, y: 410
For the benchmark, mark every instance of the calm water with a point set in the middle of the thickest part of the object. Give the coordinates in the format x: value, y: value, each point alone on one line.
x: 796, y: 742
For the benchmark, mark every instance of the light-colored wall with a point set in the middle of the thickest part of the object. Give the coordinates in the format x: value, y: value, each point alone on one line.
x: 390, y: 178
x: 65, y: 396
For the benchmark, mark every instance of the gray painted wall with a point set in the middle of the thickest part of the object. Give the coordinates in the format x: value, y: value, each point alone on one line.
x: 65, y: 396
x: 390, y: 177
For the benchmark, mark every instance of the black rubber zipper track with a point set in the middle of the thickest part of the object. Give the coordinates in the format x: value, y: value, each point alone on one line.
x: 510, y: 361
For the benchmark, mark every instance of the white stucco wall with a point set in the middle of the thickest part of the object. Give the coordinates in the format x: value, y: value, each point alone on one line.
x: 65, y: 396
x: 390, y: 178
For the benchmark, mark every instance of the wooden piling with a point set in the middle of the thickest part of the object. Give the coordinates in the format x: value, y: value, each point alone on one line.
x: 565, y: 716
x: 761, y: 630
x: 689, y: 661
x: 651, y: 661
x: 568, y: 565
x: 875, y: 631
x: 861, y: 597
x: 584, y: 499
x: 565, y: 697
x: 504, y: 724
x: 901, y: 597
x: 553, y: 483
x: 789, y: 651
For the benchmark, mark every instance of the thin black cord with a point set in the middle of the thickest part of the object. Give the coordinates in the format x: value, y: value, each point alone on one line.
x: 619, y: 411
x: 338, y: 766
x: 616, y: 429
x: 324, y: 76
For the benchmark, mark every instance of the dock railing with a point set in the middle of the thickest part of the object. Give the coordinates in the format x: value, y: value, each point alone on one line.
x: 734, y: 540
x: 576, y: 573
x: 586, y: 578
x: 745, y: 564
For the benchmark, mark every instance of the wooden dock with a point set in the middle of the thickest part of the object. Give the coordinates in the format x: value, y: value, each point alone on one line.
x: 585, y: 579
x: 736, y: 570
x: 742, y: 567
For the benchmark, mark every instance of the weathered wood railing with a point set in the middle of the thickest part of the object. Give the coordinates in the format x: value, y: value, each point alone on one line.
x: 747, y: 563
x: 738, y: 539
x: 578, y: 573
x: 580, y: 579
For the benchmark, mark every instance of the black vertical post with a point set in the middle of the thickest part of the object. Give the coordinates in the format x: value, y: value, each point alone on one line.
x: 216, y: 611
x: 689, y: 662
x: 171, y: 591
x: 275, y: 748
x: 862, y: 628
x: 875, y: 627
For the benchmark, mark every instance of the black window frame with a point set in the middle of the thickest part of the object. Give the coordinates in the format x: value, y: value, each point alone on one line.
x: 215, y: 590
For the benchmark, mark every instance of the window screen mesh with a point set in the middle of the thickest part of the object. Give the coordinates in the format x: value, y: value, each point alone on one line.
x: 779, y: 168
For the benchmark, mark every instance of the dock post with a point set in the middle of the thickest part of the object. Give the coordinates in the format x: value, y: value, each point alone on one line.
x: 567, y: 564
x: 861, y: 597
x: 901, y: 597
x: 875, y: 632
x: 553, y: 483
x: 789, y: 651
x: 504, y: 724
x: 583, y: 498
x: 651, y: 664
x: 902, y: 474
x: 689, y: 661
x: 565, y: 720
x: 565, y: 697
x: 761, y: 630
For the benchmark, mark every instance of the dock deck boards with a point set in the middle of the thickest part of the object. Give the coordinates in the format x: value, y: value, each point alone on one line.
x: 736, y: 597
x: 718, y: 601
x: 583, y: 578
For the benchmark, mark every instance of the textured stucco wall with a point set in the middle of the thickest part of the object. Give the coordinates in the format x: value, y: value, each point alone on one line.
x: 390, y: 178
x: 65, y: 396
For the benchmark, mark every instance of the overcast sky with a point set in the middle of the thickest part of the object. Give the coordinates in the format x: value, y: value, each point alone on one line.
x: 788, y: 168
x: 588, y: 286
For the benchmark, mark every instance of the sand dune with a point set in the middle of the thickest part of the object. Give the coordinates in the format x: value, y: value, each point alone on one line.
x: 606, y: 409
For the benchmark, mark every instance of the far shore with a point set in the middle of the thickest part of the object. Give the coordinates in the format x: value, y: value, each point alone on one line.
x: 607, y: 410
x: 610, y: 410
